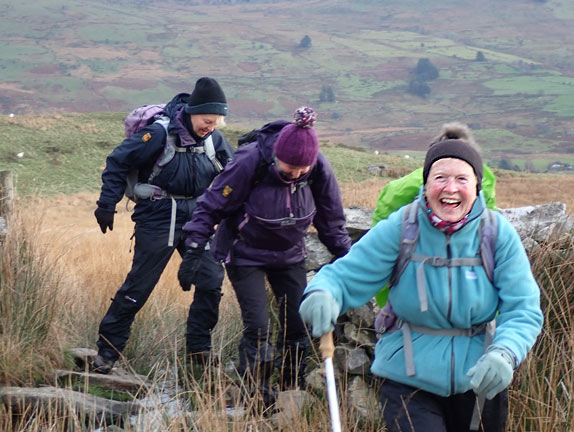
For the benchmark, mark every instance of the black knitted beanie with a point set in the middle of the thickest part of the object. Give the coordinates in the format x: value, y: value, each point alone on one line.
x: 454, y: 148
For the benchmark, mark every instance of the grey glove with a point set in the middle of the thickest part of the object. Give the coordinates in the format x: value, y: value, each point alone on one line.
x: 492, y: 372
x: 320, y: 311
x: 189, y: 268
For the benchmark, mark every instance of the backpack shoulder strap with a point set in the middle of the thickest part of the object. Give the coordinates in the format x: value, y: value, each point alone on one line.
x: 169, y: 148
x: 210, y: 152
x: 488, y: 231
x: 488, y: 235
x: 409, y: 238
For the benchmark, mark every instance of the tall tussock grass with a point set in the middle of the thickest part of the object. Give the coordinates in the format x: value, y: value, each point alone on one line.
x: 542, y: 391
x: 57, y: 279
x: 30, y: 343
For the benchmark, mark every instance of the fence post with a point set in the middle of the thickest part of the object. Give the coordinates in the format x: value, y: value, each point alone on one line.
x: 6, y: 201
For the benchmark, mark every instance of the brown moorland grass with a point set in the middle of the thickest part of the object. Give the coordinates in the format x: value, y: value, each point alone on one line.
x: 95, y: 265
x: 91, y: 266
x: 512, y: 190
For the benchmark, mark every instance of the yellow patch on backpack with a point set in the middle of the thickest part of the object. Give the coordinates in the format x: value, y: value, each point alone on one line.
x: 226, y: 191
x: 146, y: 137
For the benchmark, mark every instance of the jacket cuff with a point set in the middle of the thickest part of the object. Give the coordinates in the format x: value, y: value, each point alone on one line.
x: 508, y: 355
x: 106, y: 206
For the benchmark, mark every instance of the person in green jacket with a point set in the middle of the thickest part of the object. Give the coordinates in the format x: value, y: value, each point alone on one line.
x: 404, y: 190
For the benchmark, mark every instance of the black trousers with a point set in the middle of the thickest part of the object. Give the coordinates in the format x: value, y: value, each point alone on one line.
x: 256, y: 348
x: 408, y: 409
x: 151, y: 255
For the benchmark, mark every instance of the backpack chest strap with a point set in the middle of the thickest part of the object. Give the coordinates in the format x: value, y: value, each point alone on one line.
x: 195, y: 149
x: 436, y: 261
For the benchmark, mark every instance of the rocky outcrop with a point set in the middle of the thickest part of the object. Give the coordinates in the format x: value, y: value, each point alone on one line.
x: 541, y: 223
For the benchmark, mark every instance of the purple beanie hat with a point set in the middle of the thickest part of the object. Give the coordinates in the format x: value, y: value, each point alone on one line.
x: 297, y: 143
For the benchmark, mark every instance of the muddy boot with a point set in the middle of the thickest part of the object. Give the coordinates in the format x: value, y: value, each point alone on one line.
x: 260, y: 396
x: 101, y: 364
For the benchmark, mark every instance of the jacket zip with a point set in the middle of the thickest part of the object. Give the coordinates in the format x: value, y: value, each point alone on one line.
x: 449, y: 313
x: 289, y: 189
x: 449, y: 256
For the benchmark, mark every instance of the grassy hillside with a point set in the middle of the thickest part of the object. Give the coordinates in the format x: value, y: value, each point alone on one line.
x: 65, y: 153
x: 86, y: 56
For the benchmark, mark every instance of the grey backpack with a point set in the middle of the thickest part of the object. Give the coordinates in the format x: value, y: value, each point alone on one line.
x: 134, y: 189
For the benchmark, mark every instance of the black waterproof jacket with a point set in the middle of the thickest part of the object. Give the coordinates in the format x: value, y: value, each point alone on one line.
x: 188, y: 174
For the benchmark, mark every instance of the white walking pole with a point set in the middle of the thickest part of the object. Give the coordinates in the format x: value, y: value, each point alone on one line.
x: 327, y: 348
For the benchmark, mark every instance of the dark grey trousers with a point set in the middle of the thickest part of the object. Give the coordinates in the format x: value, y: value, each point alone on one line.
x: 256, y: 350
x: 151, y: 255
x: 407, y: 409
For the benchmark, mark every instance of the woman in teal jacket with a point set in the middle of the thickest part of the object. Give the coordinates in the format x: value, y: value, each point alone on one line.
x: 404, y: 190
x: 434, y: 358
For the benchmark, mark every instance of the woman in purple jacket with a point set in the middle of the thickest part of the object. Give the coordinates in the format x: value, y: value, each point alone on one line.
x: 264, y: 202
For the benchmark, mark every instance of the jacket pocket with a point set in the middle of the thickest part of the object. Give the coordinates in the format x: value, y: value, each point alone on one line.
x: 275, y: 234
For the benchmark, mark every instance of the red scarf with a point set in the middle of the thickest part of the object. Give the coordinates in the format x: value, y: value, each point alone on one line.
x: 444, y: 226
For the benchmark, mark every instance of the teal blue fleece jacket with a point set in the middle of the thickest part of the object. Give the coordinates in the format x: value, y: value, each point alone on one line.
x: 458, y: 297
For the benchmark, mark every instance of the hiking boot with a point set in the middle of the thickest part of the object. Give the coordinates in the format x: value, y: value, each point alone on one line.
x: 101, y: 365
x: 200, y: 362
x: 203, y: 359
x: 260, y: 401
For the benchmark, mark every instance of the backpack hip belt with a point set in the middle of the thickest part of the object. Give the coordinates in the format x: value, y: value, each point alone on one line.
x: 154, y: 193
x: 486, y: 328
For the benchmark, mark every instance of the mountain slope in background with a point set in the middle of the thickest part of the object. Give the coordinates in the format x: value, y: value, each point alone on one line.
x: 506, y: 68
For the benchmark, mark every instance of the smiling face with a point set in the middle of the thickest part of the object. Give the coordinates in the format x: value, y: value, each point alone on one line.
x: 451, y: 189
x: 204, y: 123
x: 292, y: 172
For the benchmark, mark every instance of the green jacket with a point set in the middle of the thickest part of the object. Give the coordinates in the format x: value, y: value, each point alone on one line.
x: 404, y: 190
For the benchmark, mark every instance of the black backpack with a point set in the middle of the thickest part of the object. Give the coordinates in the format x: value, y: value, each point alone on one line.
x: 263, y: 165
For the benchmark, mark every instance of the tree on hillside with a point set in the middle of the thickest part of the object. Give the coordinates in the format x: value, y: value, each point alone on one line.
x: 327, y: 94
x: 419, y: 88
x: 425, y: 70
x: 305, y: 42
x: 480, y: 56
x: 508, y: 165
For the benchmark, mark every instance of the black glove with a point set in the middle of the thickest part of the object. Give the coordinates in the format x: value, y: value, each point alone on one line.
x: 189, y: 268
x: 105, y: 219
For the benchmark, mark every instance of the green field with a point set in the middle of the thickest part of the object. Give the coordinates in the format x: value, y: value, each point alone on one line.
x: 66, y: 153
x: 66, y: 56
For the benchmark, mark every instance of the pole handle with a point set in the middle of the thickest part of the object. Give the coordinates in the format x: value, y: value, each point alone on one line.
x: 326, y: 345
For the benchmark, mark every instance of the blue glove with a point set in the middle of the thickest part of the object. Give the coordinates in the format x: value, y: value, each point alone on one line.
x: 493, y: 371
x: 320, y: 311
x: 189, y: 268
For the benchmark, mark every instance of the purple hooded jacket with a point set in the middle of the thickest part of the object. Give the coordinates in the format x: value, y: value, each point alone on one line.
x: 262, y: 218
